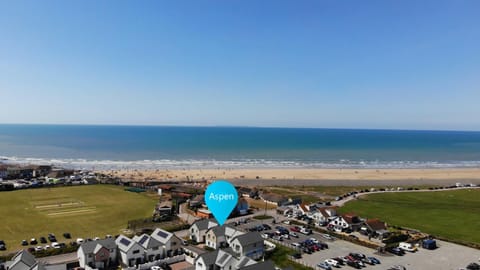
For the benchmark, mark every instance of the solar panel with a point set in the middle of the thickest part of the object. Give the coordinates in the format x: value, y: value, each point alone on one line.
x: 125, y: 241
x: 162, y: 234
x: 144, y: 238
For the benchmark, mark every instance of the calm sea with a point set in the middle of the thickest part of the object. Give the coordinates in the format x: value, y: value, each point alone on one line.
x: 233, y: 147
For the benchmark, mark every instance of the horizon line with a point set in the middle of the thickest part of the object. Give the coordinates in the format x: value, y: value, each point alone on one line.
x: 237, y: 126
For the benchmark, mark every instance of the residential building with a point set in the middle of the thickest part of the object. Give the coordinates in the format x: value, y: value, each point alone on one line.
x: 170, y: 243
x: 131, y: 253
x: 153, y: 248
x: 199, y: 228
x: 376, y: 228
x: 222, y: 259
x: 249, y: 244
x: 100, y: 254
x: 24, y: 260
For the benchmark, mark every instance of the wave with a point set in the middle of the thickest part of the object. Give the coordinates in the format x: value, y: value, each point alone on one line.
x: 235, y: 164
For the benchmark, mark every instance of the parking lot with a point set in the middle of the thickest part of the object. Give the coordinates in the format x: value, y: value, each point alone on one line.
x: 447, y: 257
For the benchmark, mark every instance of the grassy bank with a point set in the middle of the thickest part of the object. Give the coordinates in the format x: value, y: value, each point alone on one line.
x: 453, y: 215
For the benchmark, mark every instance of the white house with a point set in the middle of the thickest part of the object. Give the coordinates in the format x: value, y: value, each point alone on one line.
x: 220, y: 236
x: 170, y: 243
x: 249, y: 245
x: 221, y: 260
x: 131, y: 253
x: 345, y: 222
x: 153, y: 249
x: 324, y: 214
x: 98, y: 254
x: 23, y: 260
x: 199, y: 228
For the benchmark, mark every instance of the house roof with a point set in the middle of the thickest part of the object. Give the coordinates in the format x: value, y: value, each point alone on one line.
x: 266, y: 265
x: 223, y: 258
x: 209, y: 258
x: 244, y: 261
x: 204, y: 224
x: 124, y: 243
x: 25, y: 257
x: 146, y: 241
x: 350, y: 218
x: 162, y: 236
x: 249, y: 238
x: 375, y: 224
x: 94, y: 246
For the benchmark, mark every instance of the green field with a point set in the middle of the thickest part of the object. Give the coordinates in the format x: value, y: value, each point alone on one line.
x: 453, y: 215
x: 84, y: 211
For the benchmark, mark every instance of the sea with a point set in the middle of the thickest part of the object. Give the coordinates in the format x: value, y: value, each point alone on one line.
x: 166, y: 147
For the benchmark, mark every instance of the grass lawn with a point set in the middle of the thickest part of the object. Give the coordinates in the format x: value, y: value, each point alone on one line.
x: 280, y: 257
x: 453, y: 215
x: 84, y: 211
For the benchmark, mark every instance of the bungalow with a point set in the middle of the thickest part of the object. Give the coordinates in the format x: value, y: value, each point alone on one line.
x: 131, y: 253
x: 171, y: 244
x: 198, y: 230
x: 248, y: 192
x: 274, y: 199
x: 346, y: 222
x: 249, y: 244
x: 100, y: 254
x: 152, y: 248
x: 376, y: 228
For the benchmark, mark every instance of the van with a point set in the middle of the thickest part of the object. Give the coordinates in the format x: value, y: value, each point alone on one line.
x: 407, y: 247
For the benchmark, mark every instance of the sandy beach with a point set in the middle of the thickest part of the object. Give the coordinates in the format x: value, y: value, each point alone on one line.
x: 284, y: 175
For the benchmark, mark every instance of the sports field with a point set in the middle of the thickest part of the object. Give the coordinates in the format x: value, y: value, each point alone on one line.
x: 83, y: 211
x: 453, y: 214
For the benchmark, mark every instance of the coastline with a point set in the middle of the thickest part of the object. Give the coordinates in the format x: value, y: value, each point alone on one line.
x: 302, y: 174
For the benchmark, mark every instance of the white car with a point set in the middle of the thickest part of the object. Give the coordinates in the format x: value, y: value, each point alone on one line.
x: 313, y: 240
x: 286, y: 222
x: 297, y: 245
x: 331, y: 262
x: 47, y: 247
x: 80, y: 241
x: 38, y: 248
x: 155, y: 268
x: 56, y: 245
x: 327, y: 236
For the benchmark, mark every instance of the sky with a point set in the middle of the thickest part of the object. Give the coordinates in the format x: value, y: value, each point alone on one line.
x: 330, y: 64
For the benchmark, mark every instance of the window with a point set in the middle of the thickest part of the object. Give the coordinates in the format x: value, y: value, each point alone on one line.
x: 136, y: 251
x: 155, y: 248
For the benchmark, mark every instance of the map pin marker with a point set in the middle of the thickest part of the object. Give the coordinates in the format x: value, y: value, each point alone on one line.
x: 221, y: 197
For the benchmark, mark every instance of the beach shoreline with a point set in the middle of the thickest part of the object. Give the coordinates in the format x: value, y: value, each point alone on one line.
x: 450, y: 175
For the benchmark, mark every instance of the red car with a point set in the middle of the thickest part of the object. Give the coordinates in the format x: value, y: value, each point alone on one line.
x: 295, y: 229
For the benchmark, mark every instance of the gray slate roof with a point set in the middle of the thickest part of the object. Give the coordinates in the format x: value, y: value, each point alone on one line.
x: 249, y: 238
x: 91, y: 246
x: 266, y: 265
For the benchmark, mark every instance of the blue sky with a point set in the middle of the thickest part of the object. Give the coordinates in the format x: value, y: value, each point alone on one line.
x: 347, y: 64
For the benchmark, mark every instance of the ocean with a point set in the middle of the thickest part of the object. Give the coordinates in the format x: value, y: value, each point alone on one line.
x: 162, y: 147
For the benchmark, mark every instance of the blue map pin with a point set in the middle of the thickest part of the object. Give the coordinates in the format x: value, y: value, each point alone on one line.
x: 221, y: 197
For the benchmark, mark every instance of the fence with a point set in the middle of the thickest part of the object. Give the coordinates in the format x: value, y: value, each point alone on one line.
x: 147, y: 266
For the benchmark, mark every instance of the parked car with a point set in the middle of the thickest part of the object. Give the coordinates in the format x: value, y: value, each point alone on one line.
x: 353, y: 264
x: 297, y: 245
x: 33, y: 241
x: 327, y: 236
x: 56, y: 245
x: 43, y: 240
x: 52, y: 238
x: 339, y: 260
x: 407, y: 247
x: 24, y: 243
x: 332, y: 262
x: 293, y: 234
x: 397, y: 267
x: 325, y: 266
x: 266, y: 227
x: 295, y: 229
x: 397, y: 251
x: 67, y: 235
x: 375, y: 260
x: 38, y: 248
x: 297, y: 256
